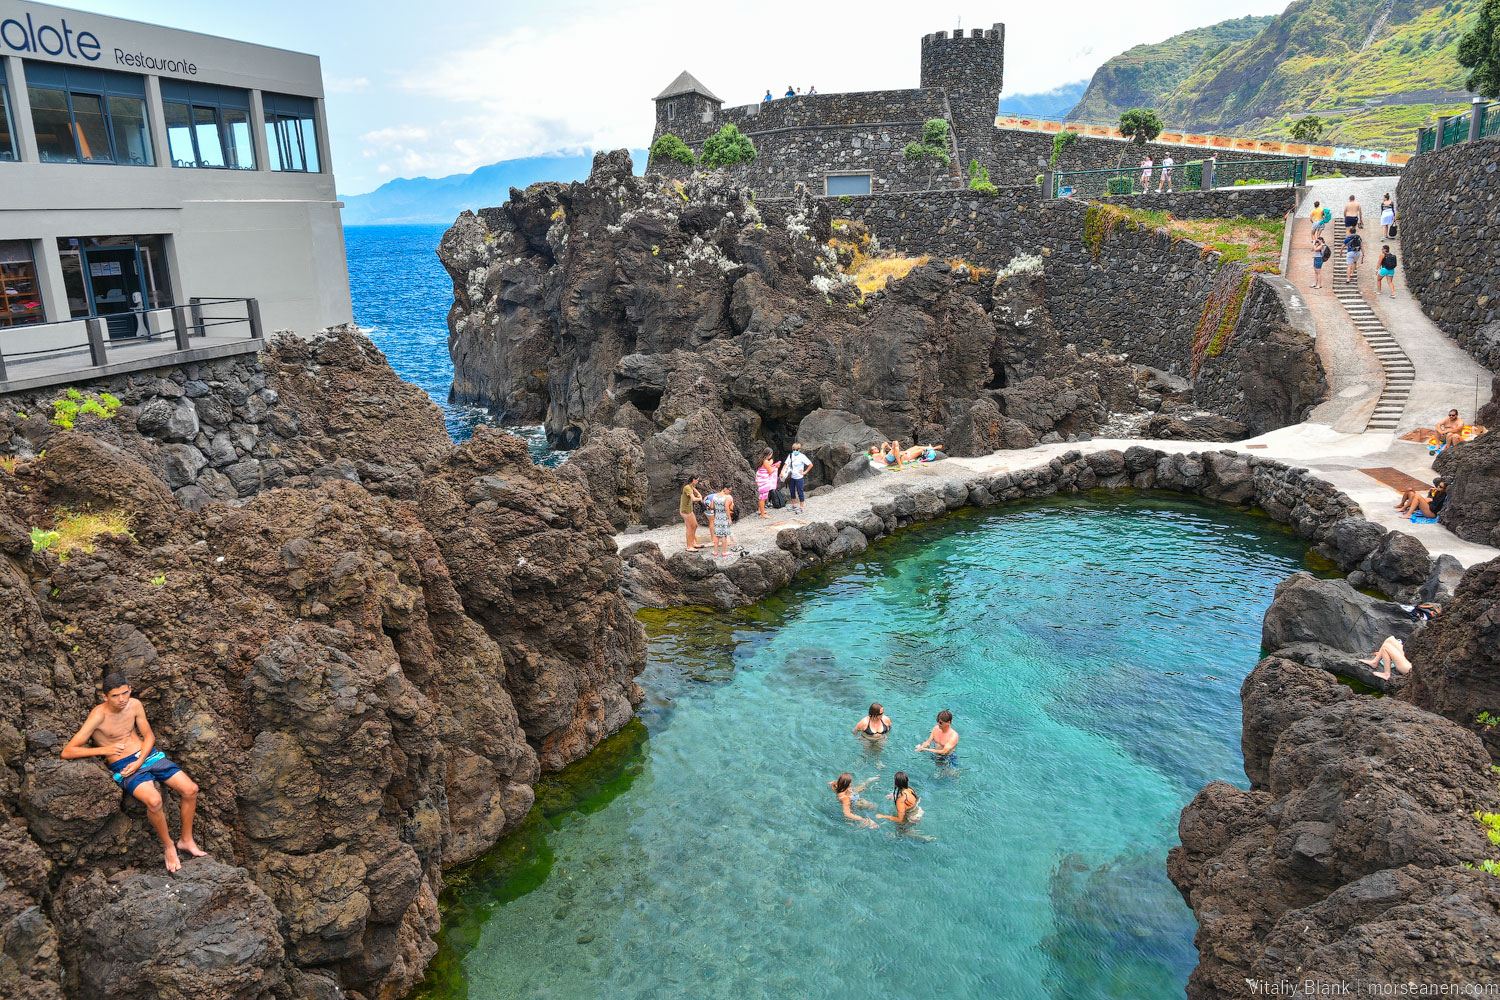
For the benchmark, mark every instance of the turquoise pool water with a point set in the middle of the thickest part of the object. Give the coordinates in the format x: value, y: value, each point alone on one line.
x: 1091, y: 650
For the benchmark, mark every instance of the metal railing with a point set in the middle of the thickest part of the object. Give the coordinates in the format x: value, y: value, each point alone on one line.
x: 1190, y: 176
x: 75, y: 345
x: 1481, y: 122
x: 1456, y: 130
x: 1489, y: 120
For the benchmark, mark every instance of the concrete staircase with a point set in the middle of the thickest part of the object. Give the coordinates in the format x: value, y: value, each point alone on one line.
x: 1399, y: 371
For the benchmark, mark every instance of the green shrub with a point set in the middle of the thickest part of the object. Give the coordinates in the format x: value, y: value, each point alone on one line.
x: 75, y: 404
x: 669, y: 147
x: 1117, y: 185
x: 43, y: 540
x: 1307, y: 128
x: 979, y: 179
x: 728, y: 147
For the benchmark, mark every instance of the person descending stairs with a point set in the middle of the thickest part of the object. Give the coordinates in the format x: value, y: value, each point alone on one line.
x: 1399, y: 371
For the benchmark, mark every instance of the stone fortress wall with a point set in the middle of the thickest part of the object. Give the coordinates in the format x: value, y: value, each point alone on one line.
x: 801, y: 140
x: 1448, y: 208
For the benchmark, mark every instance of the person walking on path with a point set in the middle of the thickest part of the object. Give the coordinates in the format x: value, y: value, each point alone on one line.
x: 765, y: 478
x: 1354, y: 213
x: 1387, y: 217
x: 721, y: 508
x: 1318, y: 218
x: 690, y: 496
x: 1320, y: 254
x: 797, y: 465
x: 1167, y: 163
x: 1354, y: 251
x: 1387, y: 270
x: 1146, y: 173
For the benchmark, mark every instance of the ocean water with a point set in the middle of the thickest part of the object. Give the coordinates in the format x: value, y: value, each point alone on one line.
x: 1091, y: 649
x: 401, y: 298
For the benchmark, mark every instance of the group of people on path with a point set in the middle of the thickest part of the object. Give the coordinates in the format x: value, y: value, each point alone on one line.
x: 1148, y: 166
x: 790, y: 92
x: 906, y: 804
x: 1354, y: 244
x: 717, y: 504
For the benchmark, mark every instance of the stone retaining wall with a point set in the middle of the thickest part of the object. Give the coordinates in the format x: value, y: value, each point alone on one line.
x: 986, y: 230
x: 1449, y: 202
x: 211, y: 430
x: 1220, y: 203
x: 1390, y: 561
x: 1013, y: 153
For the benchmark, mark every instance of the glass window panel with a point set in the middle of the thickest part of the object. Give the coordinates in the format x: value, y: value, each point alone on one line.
x: 179, y: 134
x: 154, y: 273
x: 89, y: 128
x: 239, y: 151
x: 309, y: 144
x: 7, y: 134
x: 206, y: 131
x: 54, y: 126
x: 127, y: 122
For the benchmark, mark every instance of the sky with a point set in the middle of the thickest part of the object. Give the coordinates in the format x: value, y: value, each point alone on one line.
x: 445, y: 86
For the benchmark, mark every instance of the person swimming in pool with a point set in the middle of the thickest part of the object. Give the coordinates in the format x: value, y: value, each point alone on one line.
x: 943, y: 740
x: 877, y: 723
x: 845, y: 788
x: 904, y: 801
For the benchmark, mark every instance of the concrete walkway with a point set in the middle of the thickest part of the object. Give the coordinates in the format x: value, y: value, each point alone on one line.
x: 1333, y: 444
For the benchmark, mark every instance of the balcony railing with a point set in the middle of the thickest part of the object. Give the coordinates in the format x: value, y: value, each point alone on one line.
x: 49, y: 350
x: 1188, y: 176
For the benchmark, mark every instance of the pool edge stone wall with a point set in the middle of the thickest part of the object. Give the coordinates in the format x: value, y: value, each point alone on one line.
x: 1392, y: 562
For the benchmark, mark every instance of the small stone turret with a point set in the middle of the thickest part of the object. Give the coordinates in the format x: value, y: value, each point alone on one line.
x: 971, y: 69
x: 686, y: 108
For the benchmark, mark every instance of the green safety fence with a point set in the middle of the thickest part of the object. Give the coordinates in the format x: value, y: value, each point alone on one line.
x: 1240, y: 173
x: 1120, y: 181
x: 1490, y: 124
x: 1456, y: 130
x: 1429, y: 141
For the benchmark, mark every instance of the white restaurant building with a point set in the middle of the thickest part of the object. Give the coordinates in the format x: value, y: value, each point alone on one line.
x: 143, y: 167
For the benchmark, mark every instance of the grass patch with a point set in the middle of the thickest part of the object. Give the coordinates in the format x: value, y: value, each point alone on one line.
x: 1256, y: 242
x: 79, y: 530
x: 870, y: 274
x: 9, y: 463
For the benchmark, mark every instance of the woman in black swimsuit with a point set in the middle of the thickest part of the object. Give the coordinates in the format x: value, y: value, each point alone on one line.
x: 877, y: 723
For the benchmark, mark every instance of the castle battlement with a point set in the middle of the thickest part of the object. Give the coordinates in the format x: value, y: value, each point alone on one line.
x: 995, y: 34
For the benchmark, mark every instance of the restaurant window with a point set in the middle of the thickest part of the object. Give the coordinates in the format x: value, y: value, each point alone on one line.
x: 207, y: 126
x: 7, y: 131
x: 20, y: 295
x: 291, y: 132
x: 116, y: 277
x: 88, y: 115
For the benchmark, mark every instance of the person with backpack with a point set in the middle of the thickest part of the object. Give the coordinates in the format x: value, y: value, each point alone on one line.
x: 1316, y: 218
x: 1387, y: 269
x: 1321, y: 253
x: 1354, y: 251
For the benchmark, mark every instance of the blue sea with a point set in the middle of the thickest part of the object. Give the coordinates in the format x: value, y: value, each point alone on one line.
x: 401, y: 298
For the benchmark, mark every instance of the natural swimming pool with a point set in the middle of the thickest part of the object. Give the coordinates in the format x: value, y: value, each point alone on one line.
x: 1091, y: 649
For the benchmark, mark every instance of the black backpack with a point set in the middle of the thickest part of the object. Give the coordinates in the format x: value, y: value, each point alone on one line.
x: 777, y: 498
x: 1388, y: 262
x: 1326, y: 252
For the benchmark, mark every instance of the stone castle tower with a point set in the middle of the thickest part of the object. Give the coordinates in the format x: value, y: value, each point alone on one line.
x: 971, y: 68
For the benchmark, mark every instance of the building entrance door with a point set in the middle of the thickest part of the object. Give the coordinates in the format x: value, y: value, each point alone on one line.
x: 116, y: 291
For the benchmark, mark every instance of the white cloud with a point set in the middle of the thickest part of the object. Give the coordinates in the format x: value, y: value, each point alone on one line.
x: 567, y: 77
x: 345, y: 84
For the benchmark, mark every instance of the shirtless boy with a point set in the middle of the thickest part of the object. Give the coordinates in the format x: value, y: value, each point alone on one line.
x: 944, y: 737
x: 123, y: 737
x: 1354, y: 213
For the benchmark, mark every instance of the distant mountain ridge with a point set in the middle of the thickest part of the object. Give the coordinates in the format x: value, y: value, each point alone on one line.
x: 1373, y: 69
x: 412, y: 200
x: 1054, y: 103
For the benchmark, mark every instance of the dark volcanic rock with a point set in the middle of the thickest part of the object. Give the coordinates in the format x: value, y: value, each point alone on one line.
x: 1307, y: 609
x: 1456, y: 656
x: 1473, y: 472
x: 365, y: 671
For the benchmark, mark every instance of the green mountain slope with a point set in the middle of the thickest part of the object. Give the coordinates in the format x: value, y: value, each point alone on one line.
x: 1146, y: 74
x: 1373, y: 69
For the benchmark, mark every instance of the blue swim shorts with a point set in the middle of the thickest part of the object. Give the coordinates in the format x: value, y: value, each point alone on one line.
x: 156, y: 768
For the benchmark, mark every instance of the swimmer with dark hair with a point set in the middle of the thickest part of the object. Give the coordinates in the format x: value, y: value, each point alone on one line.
x: 906, y: 803
x: 943, y: 739
x: 877, y: 723
x: 845, y: 788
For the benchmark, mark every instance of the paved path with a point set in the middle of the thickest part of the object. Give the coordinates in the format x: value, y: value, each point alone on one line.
x: 1333, y: 444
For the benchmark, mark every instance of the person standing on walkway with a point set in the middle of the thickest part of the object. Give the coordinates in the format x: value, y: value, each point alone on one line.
x: 1167, y: 163
x: 721, y: 508
x: 1387, y: 216
x: 690, y: 496
x: 1146, y: 174
x: 1354, y: 213
x: 1321, y: 253
x: 765, y: 478
x: 1354, y: 251
x: 1387, y: 270
x: 797, y: 465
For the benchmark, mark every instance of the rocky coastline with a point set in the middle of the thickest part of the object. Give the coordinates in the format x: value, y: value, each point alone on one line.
x: 365, y: 664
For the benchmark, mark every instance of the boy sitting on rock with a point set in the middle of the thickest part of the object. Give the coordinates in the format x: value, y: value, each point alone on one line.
x: 123, y: 737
